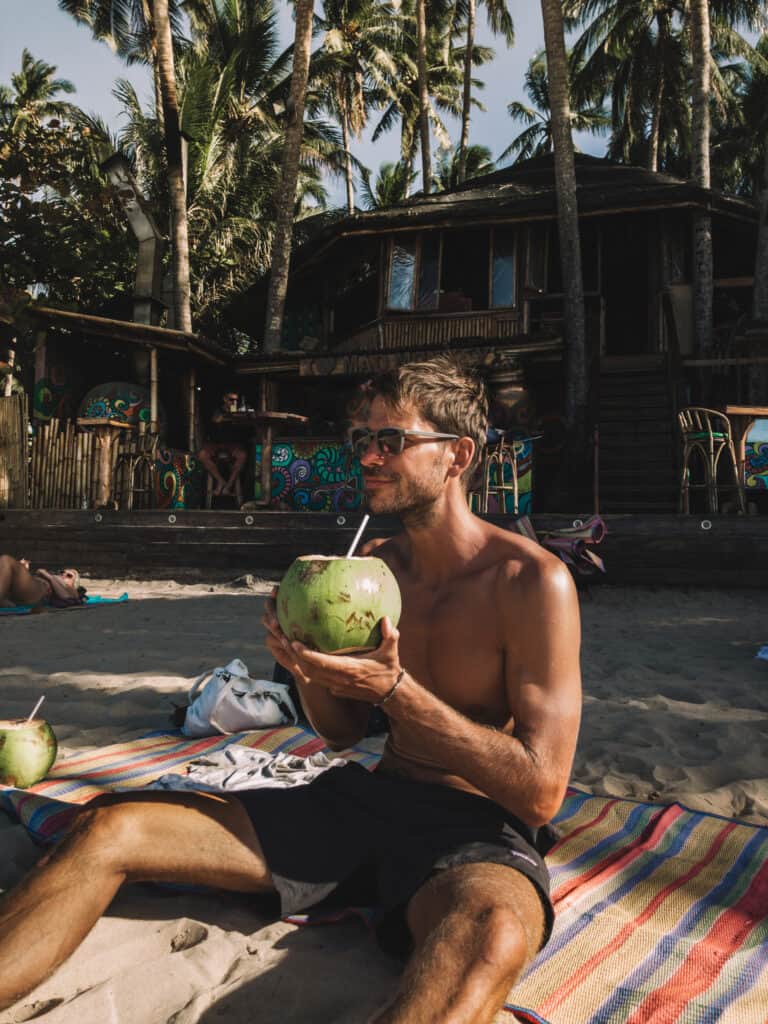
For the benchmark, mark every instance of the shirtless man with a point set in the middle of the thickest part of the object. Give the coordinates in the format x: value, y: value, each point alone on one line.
x: 481, y: 684
x: 20, y: 586
x: 223, y: 444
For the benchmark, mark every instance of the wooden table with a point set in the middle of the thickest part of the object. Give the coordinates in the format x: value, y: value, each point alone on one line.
x: 261, y: 424
x: 742, y: 419
x: 107, y: 431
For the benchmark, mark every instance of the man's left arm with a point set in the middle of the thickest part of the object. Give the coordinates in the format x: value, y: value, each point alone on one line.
x: 524, y: 767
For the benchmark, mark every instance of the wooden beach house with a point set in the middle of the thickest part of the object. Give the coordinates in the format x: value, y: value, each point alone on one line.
x: 474, y: 271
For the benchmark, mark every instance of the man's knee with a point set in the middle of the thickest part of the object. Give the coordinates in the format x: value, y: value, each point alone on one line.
x: 497, y: 910
x: 502, y: 940
x: 109, y: 829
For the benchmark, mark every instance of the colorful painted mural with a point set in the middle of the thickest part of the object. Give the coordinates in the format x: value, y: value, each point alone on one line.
x: 756, y: 465
x: 119, y: 400
x: 179, y: 479
x: 312, y: 474
x: 320, y: 475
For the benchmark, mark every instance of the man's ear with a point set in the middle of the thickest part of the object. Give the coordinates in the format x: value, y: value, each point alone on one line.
x: 463, y: 452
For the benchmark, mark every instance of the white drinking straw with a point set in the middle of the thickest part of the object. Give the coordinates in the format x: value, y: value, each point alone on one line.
x: 36, y: 708
x: 358, y: 535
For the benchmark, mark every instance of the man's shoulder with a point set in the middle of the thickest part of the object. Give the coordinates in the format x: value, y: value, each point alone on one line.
x: 526, y: 565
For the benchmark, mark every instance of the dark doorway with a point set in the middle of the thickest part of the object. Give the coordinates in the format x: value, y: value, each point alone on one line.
x: 628, y: 306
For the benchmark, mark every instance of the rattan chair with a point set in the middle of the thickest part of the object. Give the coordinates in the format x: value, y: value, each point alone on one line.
x: 705, y: 435
x: 136, y: 470
x: 498, y: 454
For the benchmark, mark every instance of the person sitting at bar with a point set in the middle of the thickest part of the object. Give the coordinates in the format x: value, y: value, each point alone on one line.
x: 223, y: 445
x: 21, y: 587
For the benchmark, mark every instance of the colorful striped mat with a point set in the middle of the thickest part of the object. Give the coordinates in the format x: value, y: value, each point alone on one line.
x: 662, y: 918
x: 662, y: 912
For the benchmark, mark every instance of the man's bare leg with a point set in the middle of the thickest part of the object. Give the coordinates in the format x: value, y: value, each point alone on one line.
x: 238, y: 456
x: 17, y: 584
x: 195, y: 839
x: 207, y: 457
x: 475, y: 928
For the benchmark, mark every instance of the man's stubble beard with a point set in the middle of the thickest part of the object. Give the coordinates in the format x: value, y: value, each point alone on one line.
x: 413, y: 500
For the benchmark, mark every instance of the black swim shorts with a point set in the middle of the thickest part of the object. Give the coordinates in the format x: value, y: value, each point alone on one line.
x: 358, y: 838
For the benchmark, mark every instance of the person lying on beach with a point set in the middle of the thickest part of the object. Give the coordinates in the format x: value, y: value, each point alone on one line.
x: 41, y: 587
x: 445, y: 839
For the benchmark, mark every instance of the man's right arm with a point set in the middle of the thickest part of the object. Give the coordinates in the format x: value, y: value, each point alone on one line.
x: 341, y: 722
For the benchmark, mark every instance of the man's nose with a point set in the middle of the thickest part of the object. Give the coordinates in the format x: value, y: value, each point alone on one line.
x: 371, y: 456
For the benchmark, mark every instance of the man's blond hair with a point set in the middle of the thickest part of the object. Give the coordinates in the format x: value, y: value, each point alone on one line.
x: 442, y: 391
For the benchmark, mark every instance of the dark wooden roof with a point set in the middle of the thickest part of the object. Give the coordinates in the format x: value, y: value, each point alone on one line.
x: 527, y: 191
x: 134, y: 333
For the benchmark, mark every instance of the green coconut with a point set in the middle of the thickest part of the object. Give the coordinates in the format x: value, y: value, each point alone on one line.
x: 336, y: 605
x: 27, y: 751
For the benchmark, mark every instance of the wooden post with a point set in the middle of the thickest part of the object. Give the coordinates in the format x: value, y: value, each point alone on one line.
x: 153, y: 390
x: 191, y: 409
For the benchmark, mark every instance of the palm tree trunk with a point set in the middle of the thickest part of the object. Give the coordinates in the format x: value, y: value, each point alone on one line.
x: 281, y: 246
x: 421, y: 70
x: 760, y: 287
x: 568, y: 224
x: 467, y: 97
x: 163, y: 45
x: 700, y: 130
x: 662, y: 21
x: 347, y: 155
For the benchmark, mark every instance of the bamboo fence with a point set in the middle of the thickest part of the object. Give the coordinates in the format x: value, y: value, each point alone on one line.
x: 14, y: 430
x: 63, y: 467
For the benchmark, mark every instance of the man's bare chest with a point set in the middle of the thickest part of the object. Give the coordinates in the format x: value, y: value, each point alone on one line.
x: 450, y: 642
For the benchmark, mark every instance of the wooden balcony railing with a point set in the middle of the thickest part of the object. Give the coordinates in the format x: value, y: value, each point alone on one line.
x: 435, y: 330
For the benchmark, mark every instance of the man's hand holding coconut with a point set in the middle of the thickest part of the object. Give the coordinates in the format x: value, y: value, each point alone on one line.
x: 480, y: 680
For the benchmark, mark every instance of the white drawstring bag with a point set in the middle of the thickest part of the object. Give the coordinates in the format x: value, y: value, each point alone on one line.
x: 230, y: 701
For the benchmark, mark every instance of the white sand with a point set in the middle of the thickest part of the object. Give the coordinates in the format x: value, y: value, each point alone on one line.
x: 675, y: 708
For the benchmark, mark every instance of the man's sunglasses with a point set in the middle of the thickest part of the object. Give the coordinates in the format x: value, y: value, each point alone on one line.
x: 390, y: 440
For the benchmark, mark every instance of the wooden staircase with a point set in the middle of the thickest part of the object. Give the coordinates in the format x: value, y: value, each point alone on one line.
x: 638, y: 435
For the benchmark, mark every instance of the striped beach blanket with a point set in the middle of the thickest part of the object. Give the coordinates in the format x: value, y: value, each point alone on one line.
x: 662, y: 918
x: 662, y: 912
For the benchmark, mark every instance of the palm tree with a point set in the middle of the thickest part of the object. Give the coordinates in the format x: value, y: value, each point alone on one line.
x: 281, y: 250
x: 568, y: 223
x: 126, y: 27
x: 233, y: 92
x: 163, y: 47
x: 638, y: 52
x: 32, y: 98
x: 444, y: 77
x: 477, y: 161
x: 392, y: 185
x: 500, y: 22
x: 700, y: 173
x: 143, y: 30
x: 536, y: 137
x: 423, y: 93
x: 356, y: 66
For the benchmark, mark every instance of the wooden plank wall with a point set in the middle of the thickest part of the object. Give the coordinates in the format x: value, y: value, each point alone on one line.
x: 657, y: 550
x: 14, y: 428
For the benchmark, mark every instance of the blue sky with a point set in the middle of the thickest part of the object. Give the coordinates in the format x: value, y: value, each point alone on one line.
x: 53, y: 36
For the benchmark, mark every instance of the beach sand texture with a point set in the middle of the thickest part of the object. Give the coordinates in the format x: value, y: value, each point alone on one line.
x: 675, y: 708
